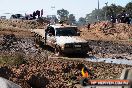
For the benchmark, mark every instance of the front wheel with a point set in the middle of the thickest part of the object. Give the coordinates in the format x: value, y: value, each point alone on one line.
x: 58, y: 51
x: 37, y: 39
x: 84, y: 53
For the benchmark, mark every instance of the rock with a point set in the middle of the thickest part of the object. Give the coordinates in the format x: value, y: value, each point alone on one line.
x: 4, y: 83
x: 38, y: 82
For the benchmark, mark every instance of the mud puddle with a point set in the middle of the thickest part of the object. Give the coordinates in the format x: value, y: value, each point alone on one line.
x: 110, y: 60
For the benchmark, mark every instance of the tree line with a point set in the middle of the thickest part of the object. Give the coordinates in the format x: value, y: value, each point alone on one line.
x: 109, y: 11
x: 102, y: 14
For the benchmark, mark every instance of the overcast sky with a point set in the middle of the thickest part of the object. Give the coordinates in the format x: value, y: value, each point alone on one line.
x: 78, y: 7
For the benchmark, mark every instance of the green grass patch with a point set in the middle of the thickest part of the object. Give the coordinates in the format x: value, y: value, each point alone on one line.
x: 11, y: 60
x: 130, y: 39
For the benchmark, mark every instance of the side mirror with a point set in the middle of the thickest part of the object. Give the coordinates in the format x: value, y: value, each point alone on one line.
x: 78, y: 33
x: 50, y: 34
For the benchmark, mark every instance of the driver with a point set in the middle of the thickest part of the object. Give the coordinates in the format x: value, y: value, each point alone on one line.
x: 50, y: 31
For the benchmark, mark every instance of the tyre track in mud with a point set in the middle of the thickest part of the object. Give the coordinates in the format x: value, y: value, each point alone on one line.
x: 109, y: 49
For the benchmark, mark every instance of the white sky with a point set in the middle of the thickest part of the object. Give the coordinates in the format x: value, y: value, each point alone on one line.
x: 78, y: 7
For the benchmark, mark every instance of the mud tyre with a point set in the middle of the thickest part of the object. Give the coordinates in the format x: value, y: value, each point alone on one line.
x: 84, y: 53
x: 58, y: 51
x: 37, y: 39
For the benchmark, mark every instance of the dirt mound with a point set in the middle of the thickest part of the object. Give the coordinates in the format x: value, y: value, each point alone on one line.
x: 21, y: 24
x: 108, y: 31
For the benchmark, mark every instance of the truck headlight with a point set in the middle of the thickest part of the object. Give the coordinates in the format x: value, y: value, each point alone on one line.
x: 62, y: 47
x: 67, y: 45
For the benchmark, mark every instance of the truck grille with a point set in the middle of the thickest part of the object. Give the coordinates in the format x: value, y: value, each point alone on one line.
x: 77, y: 45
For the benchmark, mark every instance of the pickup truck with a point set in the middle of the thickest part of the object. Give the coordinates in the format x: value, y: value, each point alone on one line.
x: 65, y: 39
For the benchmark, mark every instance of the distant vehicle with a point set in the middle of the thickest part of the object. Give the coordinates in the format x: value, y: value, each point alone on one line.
x: 28, y: 17
x: 3, y: 17
x: 17, y: 16
x: 130, y: 20
x: 64, y: 39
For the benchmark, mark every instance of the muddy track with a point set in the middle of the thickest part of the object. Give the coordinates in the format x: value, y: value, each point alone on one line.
x: 38, y: 66
x: 109, y: 48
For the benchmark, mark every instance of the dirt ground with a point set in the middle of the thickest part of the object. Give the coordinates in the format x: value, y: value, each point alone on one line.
x: 117, y: 32
x: 38, y: 70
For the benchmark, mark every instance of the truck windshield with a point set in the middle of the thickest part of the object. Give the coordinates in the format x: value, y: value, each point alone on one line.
x: 66, y: 32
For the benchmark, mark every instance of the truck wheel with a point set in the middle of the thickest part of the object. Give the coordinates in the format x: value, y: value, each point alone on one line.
x: 58, y: 51
x: 84, y: 53
x: 37, y: 39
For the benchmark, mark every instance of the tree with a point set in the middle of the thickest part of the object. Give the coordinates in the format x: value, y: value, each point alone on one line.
x: 99, y: 14
x: 128, y: 8
x: 81, y: 21
x: 71, y: 19
x: 52, y: 18
x: 63, y: 14
x: 112, y: 10
x: 96, y: 15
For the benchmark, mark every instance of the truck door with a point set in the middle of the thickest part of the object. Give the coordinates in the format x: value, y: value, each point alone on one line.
x: 50, y: 36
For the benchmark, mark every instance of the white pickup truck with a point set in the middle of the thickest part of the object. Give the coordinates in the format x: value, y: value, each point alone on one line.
x: 63, y: 38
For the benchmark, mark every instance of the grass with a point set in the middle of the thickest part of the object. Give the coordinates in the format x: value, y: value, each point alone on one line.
x: 130, y: 39
x: 11, y: 60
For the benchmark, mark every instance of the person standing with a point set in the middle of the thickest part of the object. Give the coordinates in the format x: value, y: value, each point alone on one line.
x: 38, y: 13
x: 34, y: 15
x: 41, y: 12
x: 88, y: 26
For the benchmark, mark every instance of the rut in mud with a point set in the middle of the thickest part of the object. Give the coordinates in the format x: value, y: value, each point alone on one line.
x: 109, y: 49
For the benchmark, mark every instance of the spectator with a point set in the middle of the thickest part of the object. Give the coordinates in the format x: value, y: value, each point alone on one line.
x: 130, y: 20
x: 88, y: 26
x: 113, y: 20
x: 34, y: 15
x: 38, y: 13
x: 41, y: 12
x: 127, y: 19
